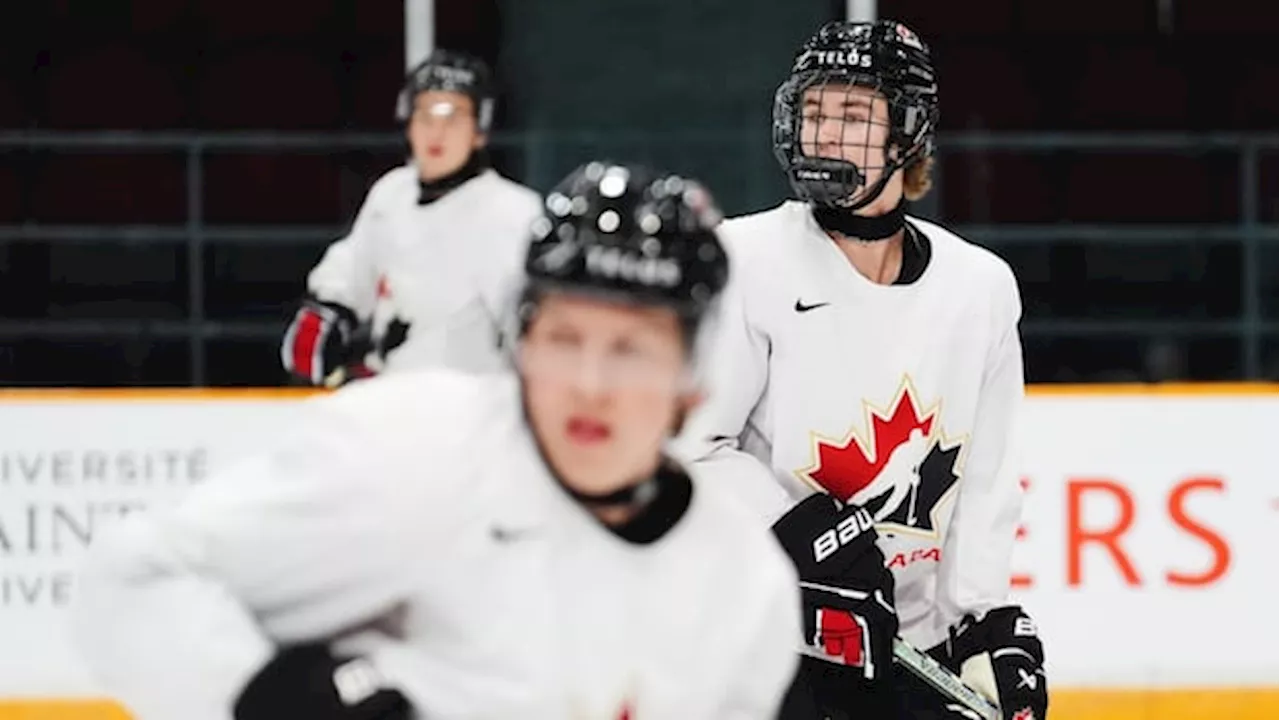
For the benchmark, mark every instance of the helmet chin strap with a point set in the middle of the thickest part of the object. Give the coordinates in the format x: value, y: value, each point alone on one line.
x: 842, y: 218
x: 861, y: 227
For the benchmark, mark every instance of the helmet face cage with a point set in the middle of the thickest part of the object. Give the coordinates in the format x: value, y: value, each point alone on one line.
x: 859, y: 105
x: 451, y: 72
x: 698, y: 331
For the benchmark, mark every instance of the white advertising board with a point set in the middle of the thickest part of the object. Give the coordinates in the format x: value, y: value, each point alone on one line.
x: 1150, y: 539
x: 1148, y: 554
x: 69, y: 469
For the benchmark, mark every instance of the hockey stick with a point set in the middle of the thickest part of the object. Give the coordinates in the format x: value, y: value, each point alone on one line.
x: 943, y: 680
x: 917, y: 663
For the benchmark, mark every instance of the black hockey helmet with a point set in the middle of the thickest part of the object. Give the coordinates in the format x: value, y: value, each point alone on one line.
x: 632, y: 234
x: 453, y: 72
x: 885, y: 56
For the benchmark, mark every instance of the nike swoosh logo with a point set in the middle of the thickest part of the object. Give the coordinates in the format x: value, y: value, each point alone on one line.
x: 503, y: 535
x: 802, y: 308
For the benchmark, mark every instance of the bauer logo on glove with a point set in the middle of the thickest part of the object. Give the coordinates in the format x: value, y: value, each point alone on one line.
x: 858, y: 522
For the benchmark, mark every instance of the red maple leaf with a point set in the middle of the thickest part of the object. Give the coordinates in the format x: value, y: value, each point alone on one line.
x: 845, y: 470
x: 1024, y: 714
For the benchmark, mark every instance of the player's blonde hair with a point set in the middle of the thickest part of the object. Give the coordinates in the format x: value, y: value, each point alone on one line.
x: 917, y: 178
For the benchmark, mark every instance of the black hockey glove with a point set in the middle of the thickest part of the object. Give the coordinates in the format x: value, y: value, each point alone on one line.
x: 1001, y: 656
x: 849, y: 618
x: 307, y: 681
x: 397, y: 332
x: 320, y: 339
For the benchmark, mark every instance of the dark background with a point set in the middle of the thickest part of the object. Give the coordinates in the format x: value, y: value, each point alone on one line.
x: 1132, y: 186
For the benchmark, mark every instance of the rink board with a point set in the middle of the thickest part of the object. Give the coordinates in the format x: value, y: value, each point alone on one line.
x: 1147, y: 509
x: 1239, y: 704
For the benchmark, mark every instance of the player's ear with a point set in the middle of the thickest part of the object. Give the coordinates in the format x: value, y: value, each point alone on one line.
x: 686, y: 403
x: 480, y: 141
x: 691, y: 399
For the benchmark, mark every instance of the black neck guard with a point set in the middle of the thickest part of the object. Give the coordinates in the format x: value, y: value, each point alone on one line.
x: 859, y: 227
x: 429, y: 192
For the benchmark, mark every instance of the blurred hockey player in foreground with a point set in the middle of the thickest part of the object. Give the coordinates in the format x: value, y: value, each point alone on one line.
x: 875, y: 358
x: 444, y: 545
x: 420, y: 277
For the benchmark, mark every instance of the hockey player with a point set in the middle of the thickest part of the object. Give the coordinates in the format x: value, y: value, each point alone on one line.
x: 444, y: 545
x: 420, y: 277
x: 875, y: 358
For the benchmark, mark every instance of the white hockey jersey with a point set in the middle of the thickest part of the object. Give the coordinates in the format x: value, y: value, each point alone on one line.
x: 446, y: 268
x: 414, y: 519
x: 900, y: 397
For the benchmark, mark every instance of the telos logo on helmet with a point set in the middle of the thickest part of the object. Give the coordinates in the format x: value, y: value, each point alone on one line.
x: 616, y: 263
x: 454, y: 75
x: 833, y: 58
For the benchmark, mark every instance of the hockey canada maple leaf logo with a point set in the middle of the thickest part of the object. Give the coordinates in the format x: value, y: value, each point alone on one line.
x: 900, y: 470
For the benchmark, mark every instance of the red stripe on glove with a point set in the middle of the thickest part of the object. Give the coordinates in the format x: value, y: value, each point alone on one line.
x: 307, y: 344
x: 840, y: 635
